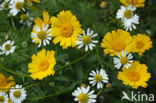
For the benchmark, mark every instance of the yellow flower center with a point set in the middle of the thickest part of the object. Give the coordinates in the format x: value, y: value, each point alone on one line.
x: 128, y: 14
x: 17, y: 94
x: 66, y: 30
x: 98, y: 78
x: 24, y: 17
x: 1, y: 99
x: 19, y: 5
x: 140, y: 44
x: 134, y: 76
x: 44, y: 65
x: 118, y: 45
x: 82, y: 98
x: 6, y: 5
x: 41, y: 35
x: 86, y: 39
x: 7, y: 46
x: 124, y: 60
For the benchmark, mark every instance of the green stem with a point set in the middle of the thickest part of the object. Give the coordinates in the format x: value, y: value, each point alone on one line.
x: 82, y: 57
x: 99, y: 58
x: 50, y: 95
x: 13, y: 24
x: 10, y: 71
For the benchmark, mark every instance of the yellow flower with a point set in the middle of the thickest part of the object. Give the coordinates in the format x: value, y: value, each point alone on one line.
x: 65, y: 29
x: 42, y: 64
x: 41, y: 33
x: 142, y: 43
x: 137, y: 75
x: 6, y: 83
x: 115, y: 42
x: 103, y: 4
x: 136, y: 3
x: 36, y: 1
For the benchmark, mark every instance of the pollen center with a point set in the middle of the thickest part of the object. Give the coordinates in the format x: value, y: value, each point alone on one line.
x: 140, y: 44
x: 6, y: 5
x: 133, y: 76
x: 66, y: 30
x: 1, y: 99
x: 86, y: 39
x: 44, y: 65
x: 98, y: 78
x: 118, y: 45
x: 24, y: 17
x: 128, y: 14
x: 19, y: 5
x: 17, y: 94
x: 41, y: 35
x: 7, y: 46
x: 123, y: 60
x: 82, y: 98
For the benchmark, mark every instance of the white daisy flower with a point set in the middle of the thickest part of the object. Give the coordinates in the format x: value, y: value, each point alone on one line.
x: 16, y: 6
x: 17, y: 94
x: 123, y: 60
x: 41, y: 34
x: 8, y: 47
x: 98, y: 77
x: 129, y: 19
x: 4, y: 5
x: 3, y: 97
x: 82, y: 95
x: 26, y: 19
x: 86, y: 40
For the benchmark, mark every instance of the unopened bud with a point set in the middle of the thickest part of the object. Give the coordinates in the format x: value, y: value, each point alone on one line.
x: 108, y: 85
x: 51, y: 84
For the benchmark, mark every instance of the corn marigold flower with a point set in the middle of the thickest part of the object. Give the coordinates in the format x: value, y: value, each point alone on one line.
x: 137, y: 75
x: 42, y: 64
x: 142, y: 43
x: 87, y: 40
x: 129, y: 19
x: 16, y: 6
x: 135, y: 3
x: 103, y: 4
x: 8, y: 47
x: 41, y: 32
x: 4, y: 5
x: 65, y: 29
x: 82, y: 95
x: 6, y: 83
x: 115, y: 42
x: 98, y: 77
x: 123, y: 59
x: 17, y: 94
x: 3, y: 97
x: 36, y: 1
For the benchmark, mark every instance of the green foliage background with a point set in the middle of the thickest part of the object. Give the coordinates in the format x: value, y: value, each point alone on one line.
x: 58, y: 88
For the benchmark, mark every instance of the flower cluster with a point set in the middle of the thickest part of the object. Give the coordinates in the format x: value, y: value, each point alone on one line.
x: 9, y: 92
x: 65, y: 29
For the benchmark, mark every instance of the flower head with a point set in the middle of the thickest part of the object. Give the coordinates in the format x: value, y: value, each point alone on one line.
x: 129, y: 19
x: 65, y: 29
x: 3, y: 97
x: 137, y: 75
x: 4, y: 5
x: 8, y: 47
x: 123, y: 59
x: 82, y: 95
x: 16, y: 6
x: 142, y: 43
x: 87, y: 40
x: 98, y: 77
x: 41, y: 32
x: 17, y: 94
x: 6, y: 83
x: 135, y: 3
x: 42, y: 64
x: 26, y: 19
x: 103, y: 4
x: 115, y: 42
